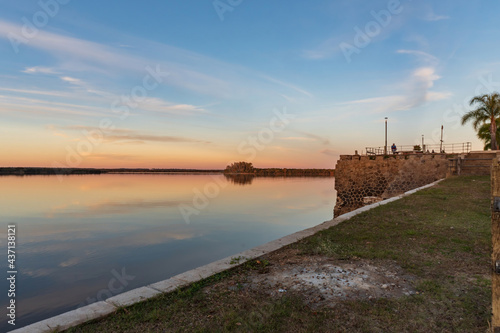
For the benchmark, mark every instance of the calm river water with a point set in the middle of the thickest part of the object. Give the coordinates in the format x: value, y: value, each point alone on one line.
x: 76, y: 235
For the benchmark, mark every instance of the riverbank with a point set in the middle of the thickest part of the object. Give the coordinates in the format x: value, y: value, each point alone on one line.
x: 419, y: 264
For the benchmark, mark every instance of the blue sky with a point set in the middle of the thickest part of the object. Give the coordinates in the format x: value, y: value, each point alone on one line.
x: 77, y: 89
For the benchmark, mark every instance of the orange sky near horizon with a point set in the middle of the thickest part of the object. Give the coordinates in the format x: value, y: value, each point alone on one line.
x: 41, y: 147
x: 31, y: 146
x: 39, y: 159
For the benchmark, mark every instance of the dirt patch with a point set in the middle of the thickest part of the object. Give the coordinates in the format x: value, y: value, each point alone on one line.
x: 323, y: 282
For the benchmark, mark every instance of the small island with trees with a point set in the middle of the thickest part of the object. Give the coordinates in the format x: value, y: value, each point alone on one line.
x: 240, y: 168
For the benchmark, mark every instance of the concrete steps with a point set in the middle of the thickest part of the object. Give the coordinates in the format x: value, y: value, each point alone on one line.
x: 474, y: 163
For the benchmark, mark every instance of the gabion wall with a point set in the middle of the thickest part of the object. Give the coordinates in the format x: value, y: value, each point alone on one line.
x: 358, y: 177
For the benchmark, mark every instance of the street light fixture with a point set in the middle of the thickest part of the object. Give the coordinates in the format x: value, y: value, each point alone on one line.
x: 385, y: 147
x: 441, y: 145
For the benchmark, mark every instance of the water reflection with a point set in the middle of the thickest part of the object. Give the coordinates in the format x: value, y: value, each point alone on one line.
x: 108, y: 207
x: 241, y: 179
x: 73, y: 234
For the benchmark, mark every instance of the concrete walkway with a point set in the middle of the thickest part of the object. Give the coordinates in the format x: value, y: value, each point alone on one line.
x: 104, y: 308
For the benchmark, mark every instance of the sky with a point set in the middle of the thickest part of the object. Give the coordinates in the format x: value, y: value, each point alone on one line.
x: 203, y: 83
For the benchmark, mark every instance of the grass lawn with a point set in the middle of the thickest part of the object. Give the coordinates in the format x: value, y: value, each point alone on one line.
x: 440, y: 236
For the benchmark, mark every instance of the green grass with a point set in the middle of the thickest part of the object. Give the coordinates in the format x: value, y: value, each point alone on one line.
x: 440, y: 235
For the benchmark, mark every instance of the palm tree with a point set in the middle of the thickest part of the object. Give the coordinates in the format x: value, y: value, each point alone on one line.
x: 483, y: 133
x: 488, y: 110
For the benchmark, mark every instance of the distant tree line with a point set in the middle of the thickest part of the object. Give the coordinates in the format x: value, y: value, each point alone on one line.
x: 25, y: 171
x: 124, y: 170
x: 274, y: 172
x: 47, y: 171
x: 240, y: 168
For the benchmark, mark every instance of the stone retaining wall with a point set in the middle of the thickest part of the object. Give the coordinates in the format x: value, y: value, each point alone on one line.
x: 365, y: 179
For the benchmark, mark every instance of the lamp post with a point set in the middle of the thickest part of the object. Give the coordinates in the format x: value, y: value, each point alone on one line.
x: 385, y: 147
x: 441, y: 145
x: 423, y: 143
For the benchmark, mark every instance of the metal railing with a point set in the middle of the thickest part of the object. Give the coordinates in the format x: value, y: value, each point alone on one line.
x: 448, y: 148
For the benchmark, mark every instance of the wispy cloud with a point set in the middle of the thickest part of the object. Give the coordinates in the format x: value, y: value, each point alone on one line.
x: 330, y: 152
x: 417, y: 92
x: 416, y: 89
x: 56, y: 132
x: 382, y: 104
x: 297, y: 138
x: 160, y: 105
x: 135, y: 137
x: 347, y: 34
x: 63, y: 46
x: 37, y: 92
x: 325, y: 50
x: 128, y: 136
x: 21, y: 101
x: 188, y: 70
x: 111, y: 156
x: 437, y: 96
x: 319, y: 138
x: 14, y: 104
x: 80, y: 86
x: 423, y: 56
x: 288, y: 85
x: 40, y: 69
x: 434, y: 17
x: 72, y: 80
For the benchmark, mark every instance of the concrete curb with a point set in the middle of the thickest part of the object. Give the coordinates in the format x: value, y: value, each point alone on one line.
x: 104, y: 308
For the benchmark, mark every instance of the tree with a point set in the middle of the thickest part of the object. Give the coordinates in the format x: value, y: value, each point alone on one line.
x: 483, y: 133
x: 486, y: 112
x: 240, y: 167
